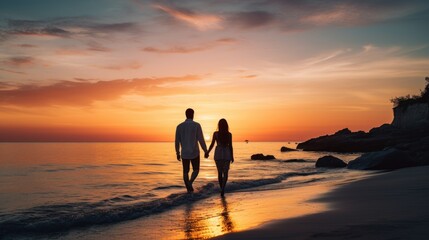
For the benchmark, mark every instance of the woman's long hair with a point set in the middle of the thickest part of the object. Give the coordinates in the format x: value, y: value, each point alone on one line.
x: 223, y: 130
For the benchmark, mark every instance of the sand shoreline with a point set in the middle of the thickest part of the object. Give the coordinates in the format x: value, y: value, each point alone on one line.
x: 390, y: 205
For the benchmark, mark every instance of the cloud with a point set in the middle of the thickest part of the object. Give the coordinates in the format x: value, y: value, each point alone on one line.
x: 227, y: 40
x: 114, y: 27
x: 35, y: 28
x: 176, y: 49
x: 85, y: 93
x: 19, y: 61
x: 75, y: 28
x: 303, y: 15
x: 95, y: 46
x: 185, y: 49
x: 199, y: 21
x: 71, y: 52
x: 11, y: 71
x: 249, y: 76
x: 131, y: 65
x: 26, y: 45
x: 364, y: 64
x: 252, y: 19
x: 4, y: 85
x: 90, y: 49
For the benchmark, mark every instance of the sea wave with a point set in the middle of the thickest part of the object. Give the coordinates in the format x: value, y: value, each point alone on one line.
x: 295, y: 160
x: 169, y: 187
x: 62, y: 217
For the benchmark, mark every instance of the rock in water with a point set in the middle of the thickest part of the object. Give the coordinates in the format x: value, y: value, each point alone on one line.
x: 260, y: 156
x: 286, y: 149
x: 389, y: 159
x: 330, y: 162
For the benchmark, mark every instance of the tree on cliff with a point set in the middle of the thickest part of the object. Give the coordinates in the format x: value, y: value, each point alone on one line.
x: 407, y: 100
x: 425, y: 93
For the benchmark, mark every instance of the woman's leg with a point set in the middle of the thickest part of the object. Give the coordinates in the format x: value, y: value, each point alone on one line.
x: 225, y: 170
x: 219, y: 177
x: 225, y: 178
x: 219, y: 167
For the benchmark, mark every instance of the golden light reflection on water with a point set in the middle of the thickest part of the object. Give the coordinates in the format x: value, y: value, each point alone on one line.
x: 217, y: 221
x: 246, y: 210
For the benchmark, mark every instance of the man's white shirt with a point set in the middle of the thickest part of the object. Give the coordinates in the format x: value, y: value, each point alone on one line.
x: 188, y: 134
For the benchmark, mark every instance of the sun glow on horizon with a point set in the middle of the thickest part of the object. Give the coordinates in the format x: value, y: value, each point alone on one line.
x: 207, y: 137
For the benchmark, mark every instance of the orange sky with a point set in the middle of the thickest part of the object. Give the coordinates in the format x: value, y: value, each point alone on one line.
x: 129, y: 70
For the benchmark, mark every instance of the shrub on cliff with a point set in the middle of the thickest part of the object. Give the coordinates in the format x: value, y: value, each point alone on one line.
x: 405, y: 101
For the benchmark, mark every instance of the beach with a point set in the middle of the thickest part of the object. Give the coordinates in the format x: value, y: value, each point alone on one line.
x: 391, y: 205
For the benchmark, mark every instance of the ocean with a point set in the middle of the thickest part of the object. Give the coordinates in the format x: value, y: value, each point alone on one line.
x: 69, y: 190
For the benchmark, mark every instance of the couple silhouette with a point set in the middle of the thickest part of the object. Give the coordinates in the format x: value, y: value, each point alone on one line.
x: 188, y: 135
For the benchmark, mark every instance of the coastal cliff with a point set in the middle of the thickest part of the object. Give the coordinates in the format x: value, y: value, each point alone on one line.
x: 410, y: 117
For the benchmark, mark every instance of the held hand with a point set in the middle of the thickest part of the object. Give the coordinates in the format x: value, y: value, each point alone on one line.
x: 178, y: 157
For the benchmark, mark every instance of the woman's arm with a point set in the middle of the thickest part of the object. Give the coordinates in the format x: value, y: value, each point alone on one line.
x: 231, y: 149
x: 213, y: 142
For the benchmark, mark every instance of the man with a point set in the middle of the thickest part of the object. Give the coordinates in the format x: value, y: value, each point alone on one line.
x: 188, y: 134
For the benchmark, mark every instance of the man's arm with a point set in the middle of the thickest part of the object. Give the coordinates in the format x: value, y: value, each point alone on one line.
x: 200, y: 138
x: 177, y: 143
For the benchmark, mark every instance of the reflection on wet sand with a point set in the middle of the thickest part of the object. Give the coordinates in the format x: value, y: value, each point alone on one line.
x: 213, y: 222
x: 227, y: 223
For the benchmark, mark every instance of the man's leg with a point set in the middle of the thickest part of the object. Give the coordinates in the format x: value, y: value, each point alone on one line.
x: 186, y: 163
x: 195, y: 170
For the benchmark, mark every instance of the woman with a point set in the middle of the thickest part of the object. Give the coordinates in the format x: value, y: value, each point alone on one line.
x: 223, y: 153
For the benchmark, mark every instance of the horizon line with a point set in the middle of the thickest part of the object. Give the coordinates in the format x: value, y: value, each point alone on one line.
x: 291, y: 141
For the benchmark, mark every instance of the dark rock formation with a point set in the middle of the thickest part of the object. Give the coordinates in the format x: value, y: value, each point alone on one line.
x: 330, y: 162
x: 376, y: 139
x: 286, y: 149
x: 418, y: 150
x: 344, y: 131
x: 260, y: 156
x: 389, y: 159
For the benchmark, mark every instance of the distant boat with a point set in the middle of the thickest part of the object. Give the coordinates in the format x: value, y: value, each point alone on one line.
x: 247, y: 141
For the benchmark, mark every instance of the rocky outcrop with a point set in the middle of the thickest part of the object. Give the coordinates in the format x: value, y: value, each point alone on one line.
x: 418, y: 150
x: 376, y: 139
x: 383, y: 160
x: 286, y: 149
x: 330, y: 162
x: 346, y: 141
x: 260, y: 156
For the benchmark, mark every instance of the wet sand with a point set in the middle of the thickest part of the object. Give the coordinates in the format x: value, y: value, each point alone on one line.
x: 391, y: 205
x: 216, y: 216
